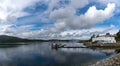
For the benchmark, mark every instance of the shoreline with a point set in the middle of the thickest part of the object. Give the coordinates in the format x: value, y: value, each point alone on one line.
x: 108, y: 45
x: 111, y: 61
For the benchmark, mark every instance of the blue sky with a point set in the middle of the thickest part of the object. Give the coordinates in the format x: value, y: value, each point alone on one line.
x: 59, y: 19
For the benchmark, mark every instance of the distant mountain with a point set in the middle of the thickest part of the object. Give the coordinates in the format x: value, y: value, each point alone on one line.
x: 12, y: 39
x: 7, y: 39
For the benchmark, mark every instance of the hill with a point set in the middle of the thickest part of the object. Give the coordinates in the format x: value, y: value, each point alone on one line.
x: 8, y: 39
x: 12, y: 39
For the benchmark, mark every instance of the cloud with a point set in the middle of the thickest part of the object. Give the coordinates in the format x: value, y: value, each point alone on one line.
x: 61, y: 15
x: 8, y: 30
x: 104, y: 2
x: 78, y: 3
x: 67, y: 21
x: 109, y: 1
x: 69, y: 34
x: 68, y: 18
x: 10, y: 10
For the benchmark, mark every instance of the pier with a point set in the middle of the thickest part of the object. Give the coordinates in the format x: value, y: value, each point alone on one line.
x: 59, y: 45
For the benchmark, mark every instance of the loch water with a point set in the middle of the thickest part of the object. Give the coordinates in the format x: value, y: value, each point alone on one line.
x: 41, y: 54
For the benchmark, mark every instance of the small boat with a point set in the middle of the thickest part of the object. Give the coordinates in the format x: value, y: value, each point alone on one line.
x: 57, y: 45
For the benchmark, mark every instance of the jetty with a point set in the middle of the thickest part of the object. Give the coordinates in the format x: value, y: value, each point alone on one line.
x: 59, y: 45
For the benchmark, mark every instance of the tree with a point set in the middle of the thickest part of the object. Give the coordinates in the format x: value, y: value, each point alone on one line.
x: 108, y: 34
x: 117, y: 37
x: 97, y: 35
x: 93, y: 36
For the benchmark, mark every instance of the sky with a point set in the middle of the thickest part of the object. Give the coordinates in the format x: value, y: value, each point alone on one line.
x: 59, y: 19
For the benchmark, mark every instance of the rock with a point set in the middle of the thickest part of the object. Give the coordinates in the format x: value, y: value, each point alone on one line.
x: 112, y: 61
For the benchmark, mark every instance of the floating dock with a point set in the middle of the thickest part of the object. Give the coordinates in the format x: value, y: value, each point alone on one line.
x: 56, y: 46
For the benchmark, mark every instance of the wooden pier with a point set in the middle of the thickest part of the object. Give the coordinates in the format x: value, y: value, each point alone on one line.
x: 72, y: 47
x: 56, y: 46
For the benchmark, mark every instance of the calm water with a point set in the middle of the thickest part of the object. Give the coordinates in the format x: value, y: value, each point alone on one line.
x: 41, y: 54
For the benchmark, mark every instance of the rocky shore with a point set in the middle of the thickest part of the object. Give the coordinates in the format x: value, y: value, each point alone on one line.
x: 107, y: 45
x: 112, y: 61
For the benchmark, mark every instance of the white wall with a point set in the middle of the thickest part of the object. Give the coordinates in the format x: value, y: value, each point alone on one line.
x: 104, y: 39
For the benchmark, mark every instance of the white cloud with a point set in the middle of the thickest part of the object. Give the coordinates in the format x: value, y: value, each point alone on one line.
x: 52, y: 4
x: 62, y: 13
x: 109, y: 1
x: 87, y: 33
x: 71, y: 21
x: 67, y: 23
x: 104, y: 2
x: 70, y: 34
x: 8, y: 30
x: 67, y: 20
x: 12, y: 9
x: 78, y: 3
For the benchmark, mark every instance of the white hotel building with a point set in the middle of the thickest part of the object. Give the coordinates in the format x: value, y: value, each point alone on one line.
x: 104, y: 39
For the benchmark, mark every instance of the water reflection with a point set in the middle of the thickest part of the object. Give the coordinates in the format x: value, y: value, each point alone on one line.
x: 41, y: 54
